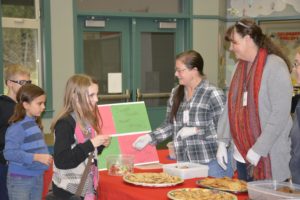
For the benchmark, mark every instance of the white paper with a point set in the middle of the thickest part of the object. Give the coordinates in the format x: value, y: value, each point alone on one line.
x: 114, y: 82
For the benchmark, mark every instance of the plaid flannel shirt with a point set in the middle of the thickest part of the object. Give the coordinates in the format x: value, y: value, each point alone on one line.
x: 204, y: 108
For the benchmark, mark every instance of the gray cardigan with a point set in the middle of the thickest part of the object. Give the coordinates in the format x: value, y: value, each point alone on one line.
x: 274, y: 103
x: 295, y: 152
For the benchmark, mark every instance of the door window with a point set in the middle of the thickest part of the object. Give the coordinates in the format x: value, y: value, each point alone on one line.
x: 102, y: 56
x: 21, y: 36
x: 157, y: 64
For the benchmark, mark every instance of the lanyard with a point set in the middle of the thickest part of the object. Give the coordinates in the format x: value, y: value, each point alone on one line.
x: 246, y: 80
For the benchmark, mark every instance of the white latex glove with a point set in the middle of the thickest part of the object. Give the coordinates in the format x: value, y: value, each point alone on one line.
x: 222, y: 155
x: 187, y: 132
x: 252, y: 157
x: 142, y: 141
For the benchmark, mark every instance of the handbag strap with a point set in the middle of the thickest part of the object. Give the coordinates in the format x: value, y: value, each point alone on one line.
x: 84, y: 176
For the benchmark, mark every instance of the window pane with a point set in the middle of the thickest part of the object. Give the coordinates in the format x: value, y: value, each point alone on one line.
x: 102, y: 55
x: 141, y: 6
x: 18, y: 8
x: 20, y: 47
x: 157, y: 67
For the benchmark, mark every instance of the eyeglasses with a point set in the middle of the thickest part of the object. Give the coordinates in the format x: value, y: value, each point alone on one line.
x: 21, y: 82
x: 179, y: 70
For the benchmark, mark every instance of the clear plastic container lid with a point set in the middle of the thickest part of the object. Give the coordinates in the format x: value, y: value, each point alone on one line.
x: 271, y: 189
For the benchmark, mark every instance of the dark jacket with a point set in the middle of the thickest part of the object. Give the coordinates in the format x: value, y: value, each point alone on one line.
x: 295, y: 152
x: 7, y: 106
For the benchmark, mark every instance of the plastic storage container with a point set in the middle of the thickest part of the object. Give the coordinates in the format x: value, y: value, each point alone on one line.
x: 186, y: 170
x: 267, y: 190
x: 119, y: 165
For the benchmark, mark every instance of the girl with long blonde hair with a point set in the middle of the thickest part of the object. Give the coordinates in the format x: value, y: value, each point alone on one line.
x: 77, y: 132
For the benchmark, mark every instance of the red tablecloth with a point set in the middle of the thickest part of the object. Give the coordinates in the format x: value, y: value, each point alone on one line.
x: 114, y: 188
x: 47, y: 181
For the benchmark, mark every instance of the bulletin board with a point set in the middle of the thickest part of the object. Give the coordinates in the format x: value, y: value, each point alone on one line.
x: 286, y: 35
x: 125, y: 122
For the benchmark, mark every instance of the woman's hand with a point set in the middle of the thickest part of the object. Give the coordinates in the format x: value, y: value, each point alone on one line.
x: 186, y: 132
x: 222, y: 157
x: 141, y: 142
x: 253, y: 157
x: 100, y: 139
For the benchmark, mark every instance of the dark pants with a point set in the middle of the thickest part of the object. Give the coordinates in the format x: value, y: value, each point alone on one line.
x: 243, y: 171
x: 3, y: 187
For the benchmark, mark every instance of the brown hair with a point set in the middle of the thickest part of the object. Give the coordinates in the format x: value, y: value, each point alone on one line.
x: 191, y: 59
x: 27, y: 93
x: 248, y: 27
x: 76, y: 93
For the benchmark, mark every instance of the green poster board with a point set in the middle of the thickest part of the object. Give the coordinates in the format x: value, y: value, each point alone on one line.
x: 125, y: 122
x: 130, y: 117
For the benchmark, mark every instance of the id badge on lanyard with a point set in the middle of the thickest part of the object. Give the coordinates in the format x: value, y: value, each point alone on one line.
x: 245, y: 96
x: 186, y: 117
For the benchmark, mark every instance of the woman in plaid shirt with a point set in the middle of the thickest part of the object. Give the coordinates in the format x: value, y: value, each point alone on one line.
x: 193, y: 111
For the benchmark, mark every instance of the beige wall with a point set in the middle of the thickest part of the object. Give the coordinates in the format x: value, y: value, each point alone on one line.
x: 206, y: 37
x: 206, y: 7
x: 205, y: 41
x: 62, y: 41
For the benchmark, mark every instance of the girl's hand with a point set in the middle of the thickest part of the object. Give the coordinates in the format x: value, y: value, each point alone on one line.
x: 100, y: 139
x: 43, y: 158
x: 106, y: 144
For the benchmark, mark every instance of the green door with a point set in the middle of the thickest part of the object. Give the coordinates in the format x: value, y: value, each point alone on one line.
x: 156, y: 44
x: 103, y: 52
x: 133, y: 59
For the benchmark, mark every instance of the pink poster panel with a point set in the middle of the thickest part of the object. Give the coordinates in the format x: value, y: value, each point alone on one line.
x: 146, y: 155
x: 107, y: 120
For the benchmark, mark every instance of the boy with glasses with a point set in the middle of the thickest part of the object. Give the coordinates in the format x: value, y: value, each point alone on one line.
x: 15, y: 76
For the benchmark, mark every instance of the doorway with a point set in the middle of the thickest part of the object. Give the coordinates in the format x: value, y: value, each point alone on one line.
x: 133, y: 59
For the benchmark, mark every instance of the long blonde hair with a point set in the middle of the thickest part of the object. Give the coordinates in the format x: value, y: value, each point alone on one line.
x: 76, y: 93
